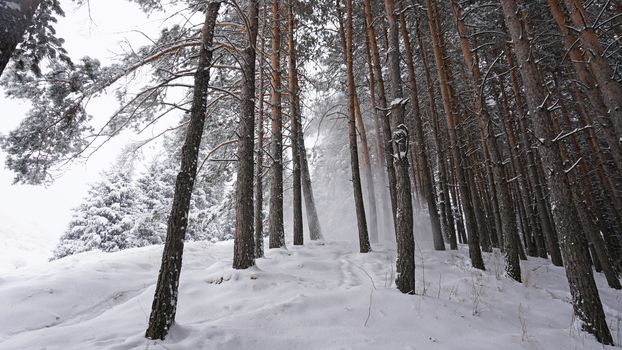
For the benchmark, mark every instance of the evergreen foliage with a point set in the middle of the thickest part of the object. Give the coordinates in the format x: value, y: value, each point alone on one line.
x: 105, y: 219
x: 121, y: 211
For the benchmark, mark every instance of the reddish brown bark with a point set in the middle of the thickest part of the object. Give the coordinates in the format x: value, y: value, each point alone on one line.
x: 586, y: 301
x: 419, y: 147
x: 275, y: 215
x: 346, y: 40
x: 294, y: 112
x: 443, y: 76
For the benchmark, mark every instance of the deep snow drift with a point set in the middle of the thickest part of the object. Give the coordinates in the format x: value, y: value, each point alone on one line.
x: 319, y: 296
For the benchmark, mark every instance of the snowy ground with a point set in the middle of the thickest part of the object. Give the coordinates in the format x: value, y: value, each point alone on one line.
x: 33, y: 245
x: 320, y: 296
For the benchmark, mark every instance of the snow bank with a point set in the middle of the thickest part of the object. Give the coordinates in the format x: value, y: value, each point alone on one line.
x: 320, y: 296
x: 23, y: 244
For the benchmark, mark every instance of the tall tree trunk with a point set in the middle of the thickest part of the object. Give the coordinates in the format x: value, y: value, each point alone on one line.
x: 474, y: 248
x: 275, y: 215
x: 457, y: 210
x: 346, y: 40
x: 373, y: 104
x: 419, y: 147
x: 259, y: 249
x: 476, y: 200
x: 506, y: 210
x: 382, y: 99
x: 294, y: 111
x: 582, y: 193
x: 445, y: 203
x: 244, y: 247
x: 548, y: 230
x: 609, y: 197
x: 585, y: 299
x: 592, y: 88
x: 367, y: 173
x: 315, y: 230
x: 377, y: 114
x: 525, y: 191
x: 404, y: 219
x: 164, y: 304
x: 14, y: 20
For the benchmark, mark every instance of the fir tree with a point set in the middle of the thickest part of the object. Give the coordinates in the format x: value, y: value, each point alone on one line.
x: 105, y: 219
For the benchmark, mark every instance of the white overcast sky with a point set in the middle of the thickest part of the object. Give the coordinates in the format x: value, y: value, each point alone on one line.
x: 33, y: 217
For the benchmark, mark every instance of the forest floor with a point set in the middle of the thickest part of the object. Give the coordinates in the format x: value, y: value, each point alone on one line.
x: 323, y: 295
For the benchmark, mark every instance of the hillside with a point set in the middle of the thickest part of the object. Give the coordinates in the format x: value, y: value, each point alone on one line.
x: 23, y: 243
x: 319, y: 296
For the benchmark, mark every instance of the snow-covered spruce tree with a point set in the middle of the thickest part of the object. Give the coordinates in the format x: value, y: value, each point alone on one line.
x: 210, y: 206
x: 146, y: 202
x: 155, y: 193
x: 58, y: 128
x: 105, y: 219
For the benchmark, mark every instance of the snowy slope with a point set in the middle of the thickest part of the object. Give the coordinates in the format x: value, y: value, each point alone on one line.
x: 320, y: 296
x: 32, y: 218
x: 23, y: 243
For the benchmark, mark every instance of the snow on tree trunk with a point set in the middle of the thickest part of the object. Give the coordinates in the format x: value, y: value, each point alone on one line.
x: 164, y: 304
x: 244, y: 254
x: 345, y: 31
x: 258, y: 212
x: 15, y: 17
x: 275, y: 216
x: 503, y: 197
x: 419, y: 147
x: 294, y: 111
x: 405, y: 279
x: 383, y: 105
x: 447, y: 220
x: 469, y: 211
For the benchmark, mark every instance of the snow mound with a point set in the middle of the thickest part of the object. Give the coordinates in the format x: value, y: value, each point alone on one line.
x: 319, y: 296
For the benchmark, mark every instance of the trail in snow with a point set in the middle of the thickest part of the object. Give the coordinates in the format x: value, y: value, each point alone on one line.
x: 319, y: 296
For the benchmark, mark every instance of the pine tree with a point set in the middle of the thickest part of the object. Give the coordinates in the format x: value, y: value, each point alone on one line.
x: 164, y: 304
x: 244, y: 249
x: 295, y: 125
x: 376, y: 74
x: 450, y: 116
x: 586, y: 301
x: 259, y: 147
x: 405, y: 279
x: 345, y: 30
x: 105, y: 220
x: 419, y: 147
x: 275, y: 220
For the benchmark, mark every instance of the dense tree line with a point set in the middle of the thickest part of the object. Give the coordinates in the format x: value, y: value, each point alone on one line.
x: 502, y: 120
